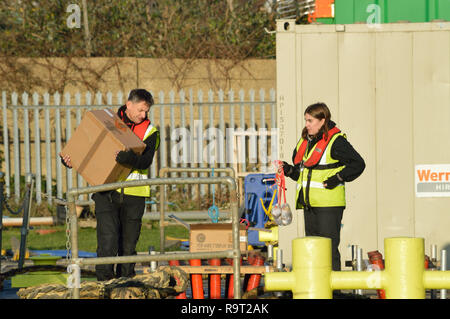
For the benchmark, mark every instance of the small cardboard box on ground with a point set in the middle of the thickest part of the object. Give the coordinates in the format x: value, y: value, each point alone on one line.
x: 92, y: 147
x: 215, y: 237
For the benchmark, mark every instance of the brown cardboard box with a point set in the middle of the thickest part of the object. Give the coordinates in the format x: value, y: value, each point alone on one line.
x: 93, y: 145
x: 215, y: 237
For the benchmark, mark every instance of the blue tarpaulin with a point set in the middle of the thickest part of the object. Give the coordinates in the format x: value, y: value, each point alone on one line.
x: 63, y: 253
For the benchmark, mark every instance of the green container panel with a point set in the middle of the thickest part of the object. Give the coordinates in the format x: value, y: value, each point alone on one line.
x: 391, y: 11
x: 326, y: 20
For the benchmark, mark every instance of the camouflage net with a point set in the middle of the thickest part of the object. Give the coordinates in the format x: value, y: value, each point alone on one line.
x: 165, y: 282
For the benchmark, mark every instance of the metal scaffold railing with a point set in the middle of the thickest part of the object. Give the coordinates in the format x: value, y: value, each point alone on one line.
x: 162, y: 196
x: 75, y: 262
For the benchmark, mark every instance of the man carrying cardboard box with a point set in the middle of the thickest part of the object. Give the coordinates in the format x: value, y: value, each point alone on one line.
x: 119, y: 215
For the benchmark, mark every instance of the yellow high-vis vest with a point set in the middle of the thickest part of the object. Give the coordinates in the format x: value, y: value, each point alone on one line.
x: 139, y: 174
x: 311, y: 179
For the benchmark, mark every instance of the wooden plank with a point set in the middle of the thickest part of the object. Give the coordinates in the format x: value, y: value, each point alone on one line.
x: 222, y: 269
x: 226, y: 269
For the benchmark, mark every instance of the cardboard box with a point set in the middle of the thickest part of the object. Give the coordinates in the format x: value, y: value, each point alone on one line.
x: 215, y: 237
x: 93, y: 145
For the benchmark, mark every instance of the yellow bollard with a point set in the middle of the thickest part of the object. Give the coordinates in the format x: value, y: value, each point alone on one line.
x: 404, y: 276
x: 311, y: 270
x: 404, y: 268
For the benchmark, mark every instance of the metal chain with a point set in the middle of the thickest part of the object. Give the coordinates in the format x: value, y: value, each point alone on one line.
x: 20, y: 209
x: 26, y: 198
x: 68, y: 246
x: 68, y: 242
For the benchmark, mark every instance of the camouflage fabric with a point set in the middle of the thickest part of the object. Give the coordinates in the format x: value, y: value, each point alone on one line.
x: 165, y: 282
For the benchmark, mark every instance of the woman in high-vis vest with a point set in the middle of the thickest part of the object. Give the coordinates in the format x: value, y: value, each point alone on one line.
x: 119, y: 214
x: 323, y: 161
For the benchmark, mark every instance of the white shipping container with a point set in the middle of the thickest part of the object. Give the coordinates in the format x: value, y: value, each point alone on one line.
x: 388, y: 89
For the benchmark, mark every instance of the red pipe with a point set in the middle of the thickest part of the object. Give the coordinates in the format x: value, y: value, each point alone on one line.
x: 376, y: 259
x: 214, y: 281
x: 254, y: 279
x: 196, y: 281
x: 177, y: 263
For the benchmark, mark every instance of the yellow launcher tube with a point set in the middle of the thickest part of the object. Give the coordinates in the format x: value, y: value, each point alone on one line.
x: 279, y: 281
x: 275, y: 252
x: 404, y: 268
x: 269, y: 236
x: 356, y: 279
x: 436, y: 279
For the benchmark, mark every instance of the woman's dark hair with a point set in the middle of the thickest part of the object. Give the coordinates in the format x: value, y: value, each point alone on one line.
x: 139, y: 95
x: 319, y: 111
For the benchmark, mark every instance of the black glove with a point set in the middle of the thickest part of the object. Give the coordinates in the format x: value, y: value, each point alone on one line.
x: 332, y: 182
x: 126, y: 157
x: 287, y: 169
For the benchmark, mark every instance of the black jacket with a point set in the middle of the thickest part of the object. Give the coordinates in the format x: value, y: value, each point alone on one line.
x: 342, y: 151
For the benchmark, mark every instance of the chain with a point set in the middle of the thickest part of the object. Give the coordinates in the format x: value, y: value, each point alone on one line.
x: 68, y: 242
x: 68, y: 248
x: 22, y: 206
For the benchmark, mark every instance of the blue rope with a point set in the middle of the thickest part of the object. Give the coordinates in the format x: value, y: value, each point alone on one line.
x: 213, y: 211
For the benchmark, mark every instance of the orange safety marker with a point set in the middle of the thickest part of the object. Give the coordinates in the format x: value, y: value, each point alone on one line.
x: 214, y: 281
x: 177, y: 263
x: 196, y: 281
x: 254, y: 280
x: 376, y: 259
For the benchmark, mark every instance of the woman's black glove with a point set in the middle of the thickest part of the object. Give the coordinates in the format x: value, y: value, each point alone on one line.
x: 126, y: 157
x: 287, y: 169
x: 293, y: 172
x: 332, y: 182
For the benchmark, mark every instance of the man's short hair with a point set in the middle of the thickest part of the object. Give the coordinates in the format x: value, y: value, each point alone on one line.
x: 139, y: 95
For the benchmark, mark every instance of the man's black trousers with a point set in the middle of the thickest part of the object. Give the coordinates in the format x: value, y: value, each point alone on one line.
x: 119, y: 220
x: 326, y: 222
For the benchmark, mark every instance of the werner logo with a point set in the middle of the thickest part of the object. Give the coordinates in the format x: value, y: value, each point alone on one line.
x: 432, y: 180
x: 428, y: 175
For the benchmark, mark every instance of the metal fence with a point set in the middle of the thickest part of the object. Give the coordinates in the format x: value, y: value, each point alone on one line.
x: 36, y: 128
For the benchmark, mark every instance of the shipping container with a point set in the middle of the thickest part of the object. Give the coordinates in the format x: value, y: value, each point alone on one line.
x: 388, y: 88
x: 388, y: 11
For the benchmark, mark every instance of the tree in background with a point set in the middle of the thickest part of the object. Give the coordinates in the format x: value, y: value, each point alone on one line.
x: 219, y: 30
x: 138, y: 28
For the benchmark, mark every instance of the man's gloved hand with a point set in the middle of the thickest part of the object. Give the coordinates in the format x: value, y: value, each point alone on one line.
x: 287, y: 169
x: 332, y: 182
x: 126, y: 157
